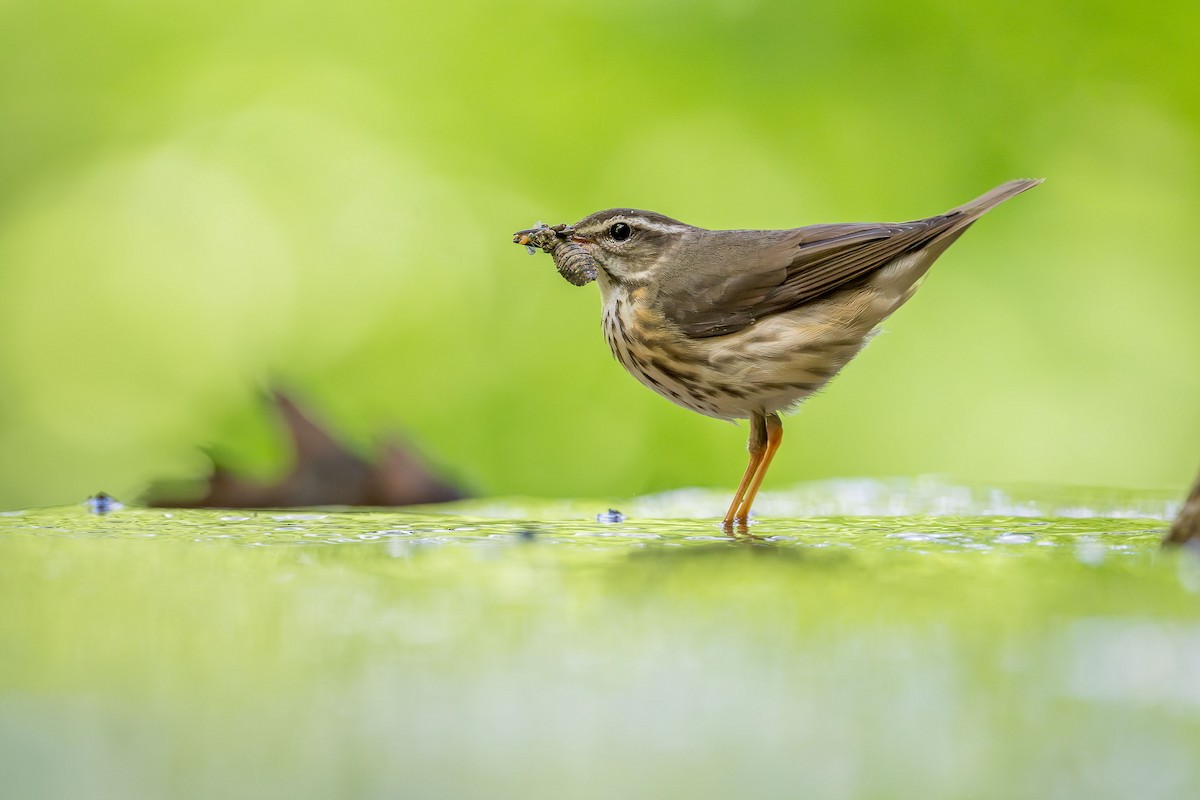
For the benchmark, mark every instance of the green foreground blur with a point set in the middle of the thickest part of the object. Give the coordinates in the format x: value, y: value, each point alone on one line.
x: 318, y: 654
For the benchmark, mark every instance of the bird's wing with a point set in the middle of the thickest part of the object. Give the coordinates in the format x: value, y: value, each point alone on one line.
x: 743, y: 281
x: 744, y: 276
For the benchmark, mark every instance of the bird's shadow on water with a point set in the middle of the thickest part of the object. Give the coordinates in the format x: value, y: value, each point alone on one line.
x: 741, y: 550
x: 680, y: 542
x: 728, y: 570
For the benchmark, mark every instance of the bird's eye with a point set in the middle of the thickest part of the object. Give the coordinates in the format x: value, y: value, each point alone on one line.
x: 620, y: 231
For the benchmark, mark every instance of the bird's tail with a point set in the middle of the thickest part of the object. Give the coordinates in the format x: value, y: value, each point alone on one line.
x: 985, y: 202
x: 957, y: 220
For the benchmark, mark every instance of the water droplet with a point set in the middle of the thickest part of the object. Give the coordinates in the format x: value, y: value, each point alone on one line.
x: 610, y: 517
x: 101, y: 503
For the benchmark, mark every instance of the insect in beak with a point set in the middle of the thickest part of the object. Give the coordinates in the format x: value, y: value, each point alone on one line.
x: 522, y: 238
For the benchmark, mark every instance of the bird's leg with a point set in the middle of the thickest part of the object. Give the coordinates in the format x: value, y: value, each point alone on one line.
x: 774, y: 431
x: 757, y: 446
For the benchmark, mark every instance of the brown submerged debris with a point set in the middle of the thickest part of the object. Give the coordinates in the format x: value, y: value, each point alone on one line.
x: 325, y: 473
x: 573, y: 262
x: 1186, y: 528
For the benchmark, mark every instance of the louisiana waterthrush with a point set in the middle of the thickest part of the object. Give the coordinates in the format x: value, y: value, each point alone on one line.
x: 745, y: 324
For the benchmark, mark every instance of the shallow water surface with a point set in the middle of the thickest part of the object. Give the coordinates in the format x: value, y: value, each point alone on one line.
x: 874, y: 639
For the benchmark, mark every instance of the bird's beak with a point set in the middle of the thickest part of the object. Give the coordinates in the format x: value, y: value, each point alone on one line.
x: 569, y: 233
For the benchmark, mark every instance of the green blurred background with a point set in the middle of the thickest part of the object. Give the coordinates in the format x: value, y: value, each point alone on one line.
x: 199, y: 200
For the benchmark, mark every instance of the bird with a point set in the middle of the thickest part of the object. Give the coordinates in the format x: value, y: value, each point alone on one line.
x: 746, y: 324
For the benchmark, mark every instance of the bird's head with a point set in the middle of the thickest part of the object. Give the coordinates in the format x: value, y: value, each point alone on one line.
x: 625, y: 243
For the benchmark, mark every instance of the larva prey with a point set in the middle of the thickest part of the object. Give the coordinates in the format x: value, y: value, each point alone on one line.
x: 573, y: 262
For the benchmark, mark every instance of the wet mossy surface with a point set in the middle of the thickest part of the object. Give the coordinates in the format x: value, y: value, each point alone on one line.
x: 507, y: 648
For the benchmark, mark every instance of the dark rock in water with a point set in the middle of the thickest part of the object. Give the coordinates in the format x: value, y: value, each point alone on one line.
x: 610, y: 517
x: 101, y: 503
x: 1186, y: 528
x: 325, y: 473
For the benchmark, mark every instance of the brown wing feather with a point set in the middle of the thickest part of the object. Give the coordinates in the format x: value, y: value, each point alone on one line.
x: 752, y: 274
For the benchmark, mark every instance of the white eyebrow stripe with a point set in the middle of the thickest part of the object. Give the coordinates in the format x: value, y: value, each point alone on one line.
x: 658, y: 227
